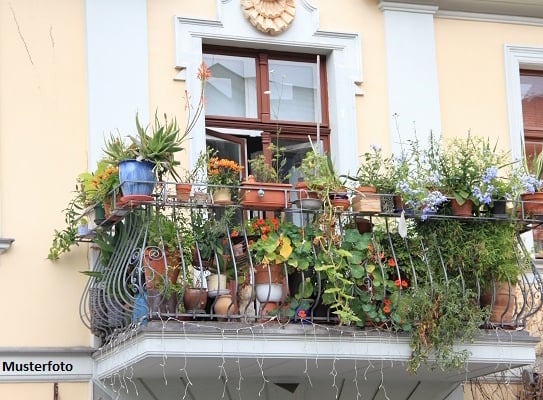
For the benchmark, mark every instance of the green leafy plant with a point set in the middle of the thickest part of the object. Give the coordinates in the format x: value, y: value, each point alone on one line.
x: 373, y: 170
x: 441, y: 314
x: 273, y: 171
x: 209, y: 232
x: 339, y: 260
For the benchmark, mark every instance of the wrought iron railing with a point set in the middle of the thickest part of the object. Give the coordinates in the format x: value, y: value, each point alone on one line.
x: 132, y: 280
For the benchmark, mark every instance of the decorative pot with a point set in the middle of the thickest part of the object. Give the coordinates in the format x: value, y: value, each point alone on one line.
x: 83, y: 230
x: 269, y: 292
x: 340, y: 200
x: 531, y: 205
x: 182, y: 191
x: 137, y: 180
x: 272, y: 273
x: 303, y: 192
x: 264, y: 196
x: 499, y: 208
x: 462, y: 210
x: 501, y: 298
x: 363, y: 225
x: 221, y: 196
x: 366, y: 200
x: 266, y: 309
x: 195, y: 299
x: 216, y: 285
x: 154, y: 266
x: 223, y: 305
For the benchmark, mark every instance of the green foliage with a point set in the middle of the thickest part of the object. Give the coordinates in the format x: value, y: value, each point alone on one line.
x: 374, y: 170
x: 441, y: 314
x: 157, y: 143
x: 64, y: 239
x: 339, y: 259
x: 489, y: 250
x: 209, y: 230
x: 275, y: 172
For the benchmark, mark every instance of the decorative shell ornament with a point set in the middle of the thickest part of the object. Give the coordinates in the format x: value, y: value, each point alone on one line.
x: 269, y: 16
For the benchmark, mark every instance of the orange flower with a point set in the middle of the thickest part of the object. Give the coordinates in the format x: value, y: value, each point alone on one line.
x: 386, y: 309
x: 391, y: 262
x: 203, y: 72
x: 404, y: 283
x: 234, y: 233
x: 302, y: 314
x: 397, y: 283
x: 386, y: 301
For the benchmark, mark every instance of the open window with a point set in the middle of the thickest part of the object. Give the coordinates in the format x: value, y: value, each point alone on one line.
x: 255, y: 97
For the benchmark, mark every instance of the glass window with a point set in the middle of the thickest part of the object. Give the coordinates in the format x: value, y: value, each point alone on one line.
x: 253, y: 95
x: 293, y: 91
x: 231, y: 90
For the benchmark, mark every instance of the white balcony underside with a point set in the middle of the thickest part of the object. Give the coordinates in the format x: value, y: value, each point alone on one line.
x: 294, y: 351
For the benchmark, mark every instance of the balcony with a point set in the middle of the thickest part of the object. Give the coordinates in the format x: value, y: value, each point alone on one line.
x: 142, y: 315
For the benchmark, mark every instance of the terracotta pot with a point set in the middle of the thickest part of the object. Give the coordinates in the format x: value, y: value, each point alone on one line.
x: 223, y: 305
x: 195, y: 299
x: 265, y: 310
x: 268, y: 274
x: 264, y: 196
x: 531, y: 205
x: 463, y: 210
x: 182, y: 191
x: 154, y: 266
x: 363, y: 225
x: 303, y: 192
x: 501, y: 298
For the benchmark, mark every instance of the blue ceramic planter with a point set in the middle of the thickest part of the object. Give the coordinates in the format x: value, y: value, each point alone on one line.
x: 137, y: 178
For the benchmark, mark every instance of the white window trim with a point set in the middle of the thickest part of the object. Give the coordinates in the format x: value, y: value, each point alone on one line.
x: 517, y: 57
x: 344, y: 66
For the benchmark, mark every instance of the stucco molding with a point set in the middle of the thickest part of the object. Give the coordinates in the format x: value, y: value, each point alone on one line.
x: 494, y: 18
x: 344, y: 64
x: 517, y: 8
x: 407, y: 7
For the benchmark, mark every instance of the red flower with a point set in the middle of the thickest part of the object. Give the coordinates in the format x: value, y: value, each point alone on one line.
x: 386, y: 308
x: 391, y: 262
x: 302, y: 314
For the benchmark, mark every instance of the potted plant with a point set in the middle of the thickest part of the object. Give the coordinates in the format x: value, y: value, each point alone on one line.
x: 264, y: 188
x: 531, y: 183
x: 192, y: 177
x: 440, y: 315
x: 150, y: 153
x: 320, y: 176
x: 462, y: 164
x: 162, y: 249
x: 371, y: 177
x: 223, y: 174
x: 209, y: 251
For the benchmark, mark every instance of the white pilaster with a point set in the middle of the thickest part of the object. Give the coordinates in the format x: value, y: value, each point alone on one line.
x: 411, y: 71
x: 117, y: 68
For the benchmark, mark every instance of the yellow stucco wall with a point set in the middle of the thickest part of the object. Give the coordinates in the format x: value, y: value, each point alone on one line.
x: 43, y: 391
x: 43, y: 127
x: 470, y: 59
x: 43, y: 136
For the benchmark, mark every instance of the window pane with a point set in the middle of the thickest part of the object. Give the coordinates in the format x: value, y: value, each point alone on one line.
x: 293, y: 91
x: 532, y: 101
x: 231, y: 90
